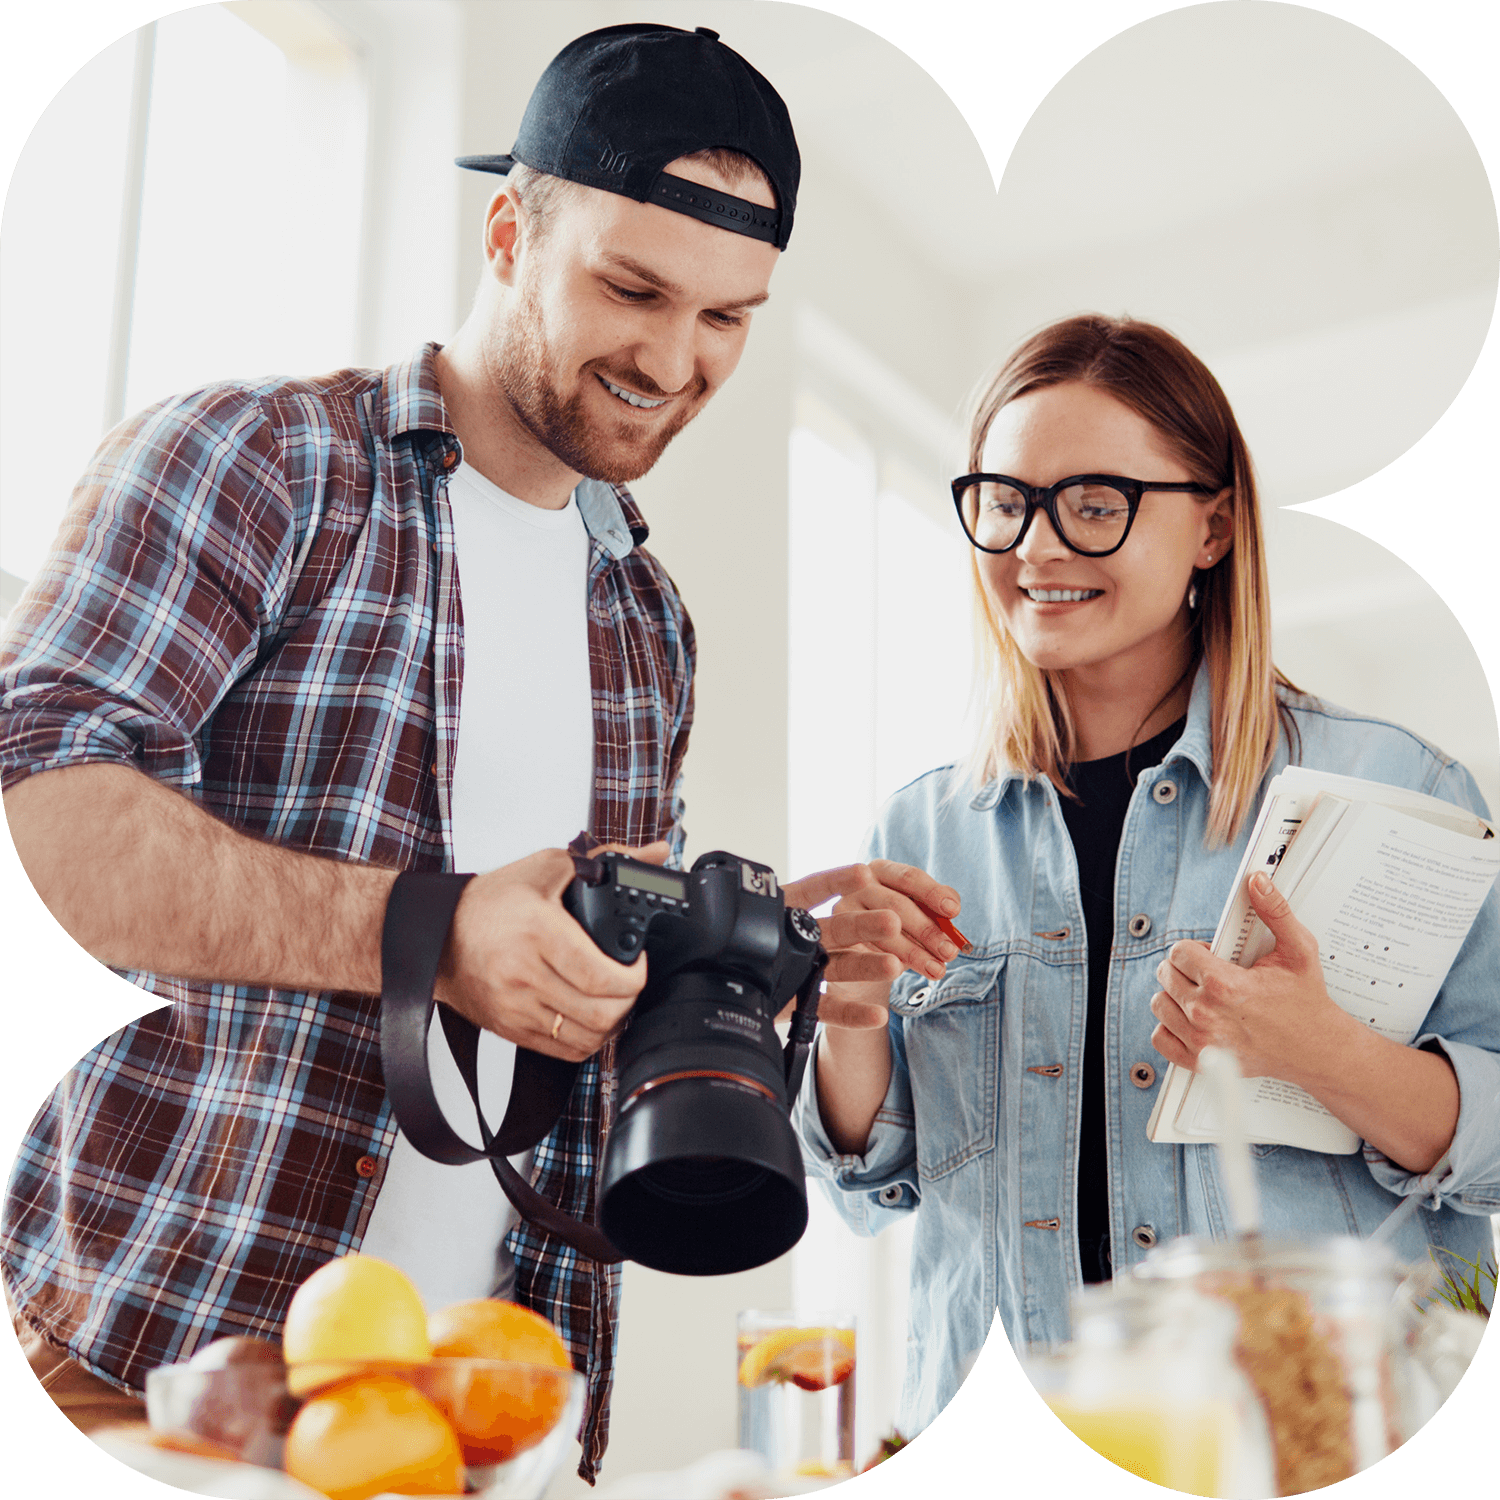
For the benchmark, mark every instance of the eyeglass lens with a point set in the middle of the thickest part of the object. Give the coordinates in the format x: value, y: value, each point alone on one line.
x: 1092, y: 516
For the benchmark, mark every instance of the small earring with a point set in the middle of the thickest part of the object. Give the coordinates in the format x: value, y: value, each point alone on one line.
x: 1192, y: 599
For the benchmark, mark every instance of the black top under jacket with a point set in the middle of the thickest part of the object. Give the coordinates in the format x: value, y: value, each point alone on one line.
x: 1095, y: 822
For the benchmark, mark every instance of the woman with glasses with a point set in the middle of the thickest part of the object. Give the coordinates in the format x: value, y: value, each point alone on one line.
x: 1132, y: 716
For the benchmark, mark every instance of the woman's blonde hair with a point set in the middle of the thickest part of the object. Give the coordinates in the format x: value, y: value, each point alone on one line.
x: 1025, y: 721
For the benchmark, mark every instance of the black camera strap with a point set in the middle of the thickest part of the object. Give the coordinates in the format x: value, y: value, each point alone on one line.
x: 804, y: 1025
x: 417, y: 917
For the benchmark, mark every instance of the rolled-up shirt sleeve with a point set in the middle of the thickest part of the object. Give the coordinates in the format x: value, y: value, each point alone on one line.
x: 874, y: 1189
x: 165, y: 582
x: 1464, y: 1025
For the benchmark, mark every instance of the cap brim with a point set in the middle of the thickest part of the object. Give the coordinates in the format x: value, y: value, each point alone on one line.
x: 500, y: 164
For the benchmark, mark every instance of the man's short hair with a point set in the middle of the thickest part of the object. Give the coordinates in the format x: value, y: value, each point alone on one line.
x: 539, y: 193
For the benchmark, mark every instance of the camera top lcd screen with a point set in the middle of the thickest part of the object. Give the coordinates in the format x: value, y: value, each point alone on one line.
x: 657, y: 881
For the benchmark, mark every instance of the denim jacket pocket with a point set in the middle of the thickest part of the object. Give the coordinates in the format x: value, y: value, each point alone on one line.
x: 967, y: 979
x: 952, y: 1036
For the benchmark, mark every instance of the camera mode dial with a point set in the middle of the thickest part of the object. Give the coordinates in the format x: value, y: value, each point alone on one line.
x: 802, y: 927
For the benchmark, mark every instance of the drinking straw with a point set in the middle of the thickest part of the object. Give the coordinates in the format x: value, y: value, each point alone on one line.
x: 1222, y: 1070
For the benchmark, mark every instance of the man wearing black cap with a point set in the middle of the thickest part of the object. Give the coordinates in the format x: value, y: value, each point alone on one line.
x: 256, y: 602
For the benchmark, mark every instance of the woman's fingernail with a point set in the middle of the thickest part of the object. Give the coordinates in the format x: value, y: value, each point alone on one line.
x: 1261, y: 883
x: 950, y: 907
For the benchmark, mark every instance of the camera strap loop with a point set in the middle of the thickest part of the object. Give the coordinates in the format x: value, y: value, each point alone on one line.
x: 804, y: 1025
x: 418, y: 914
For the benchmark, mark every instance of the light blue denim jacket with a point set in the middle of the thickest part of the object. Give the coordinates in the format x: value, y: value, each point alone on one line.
x: 979, y: 1127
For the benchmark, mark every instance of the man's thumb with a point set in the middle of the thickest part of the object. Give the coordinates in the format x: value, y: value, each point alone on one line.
x: 654, y: 853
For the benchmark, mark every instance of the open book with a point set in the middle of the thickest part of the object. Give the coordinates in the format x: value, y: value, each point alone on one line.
x: 1389, y: 881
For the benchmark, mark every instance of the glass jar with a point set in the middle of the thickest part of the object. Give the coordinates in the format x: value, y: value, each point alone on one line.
x: 1321, y: 1338
x: 1150, y: 1382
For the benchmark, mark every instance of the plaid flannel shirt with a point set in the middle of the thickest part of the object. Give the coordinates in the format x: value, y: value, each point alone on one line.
x: 253, y: 598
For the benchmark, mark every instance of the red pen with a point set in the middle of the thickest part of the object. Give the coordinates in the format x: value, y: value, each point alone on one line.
x: 948, y: 928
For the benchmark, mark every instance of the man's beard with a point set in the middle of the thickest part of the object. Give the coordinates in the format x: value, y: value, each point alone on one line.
x: 614, y: 452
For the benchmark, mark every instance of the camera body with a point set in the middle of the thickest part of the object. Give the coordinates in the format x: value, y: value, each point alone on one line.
x: 702, y: 1173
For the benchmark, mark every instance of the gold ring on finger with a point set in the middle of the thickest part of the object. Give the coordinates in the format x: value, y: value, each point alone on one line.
x: 557, y: 1025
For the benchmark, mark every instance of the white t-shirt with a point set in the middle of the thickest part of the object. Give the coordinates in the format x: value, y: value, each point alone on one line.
x: 522, y: 781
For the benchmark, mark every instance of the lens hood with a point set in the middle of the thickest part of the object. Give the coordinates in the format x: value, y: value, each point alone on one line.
x: 703, y: 1176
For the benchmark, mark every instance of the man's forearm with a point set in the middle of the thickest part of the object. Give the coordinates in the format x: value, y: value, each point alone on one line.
x: 142, y: 878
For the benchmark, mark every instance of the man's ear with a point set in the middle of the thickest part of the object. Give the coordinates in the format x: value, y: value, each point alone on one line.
x: 502, y: 232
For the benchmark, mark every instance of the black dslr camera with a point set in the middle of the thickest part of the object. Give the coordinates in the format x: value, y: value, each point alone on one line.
x: 702, y: 1173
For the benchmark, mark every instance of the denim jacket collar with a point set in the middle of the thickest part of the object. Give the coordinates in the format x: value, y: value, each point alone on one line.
x: 1195, y: 746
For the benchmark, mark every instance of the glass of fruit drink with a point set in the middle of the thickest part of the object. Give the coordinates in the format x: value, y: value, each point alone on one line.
x: 1149, y: 1382
x: 796, y: 1390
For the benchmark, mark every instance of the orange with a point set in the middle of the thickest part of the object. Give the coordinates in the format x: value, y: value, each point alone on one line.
x: 370, y: 1435
x: 498, y: 1413
x: 355, y: 1308
x: 490, y: 1329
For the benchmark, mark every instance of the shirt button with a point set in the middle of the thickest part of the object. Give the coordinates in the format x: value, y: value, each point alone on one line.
x: 890, y: 1196
x: 1164, y: 791
x: 1143, y: 1075
x: 366, y: 1166
x: 1144, y: 1236
x: 450, y: 459
x: 1140, y: 925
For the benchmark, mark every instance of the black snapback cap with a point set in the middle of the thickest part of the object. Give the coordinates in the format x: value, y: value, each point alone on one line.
x: 614, y: 107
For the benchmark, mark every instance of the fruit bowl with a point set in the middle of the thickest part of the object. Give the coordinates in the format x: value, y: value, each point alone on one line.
x: 514, y: 1422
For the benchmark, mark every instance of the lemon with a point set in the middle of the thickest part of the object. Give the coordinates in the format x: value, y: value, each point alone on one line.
x: 812, y: 1358
x: 355, y: 1308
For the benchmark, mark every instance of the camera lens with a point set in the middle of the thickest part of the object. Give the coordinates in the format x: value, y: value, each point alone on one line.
x: 704, y: 1179
x: 676, y: 1200
x: 702, y: 1172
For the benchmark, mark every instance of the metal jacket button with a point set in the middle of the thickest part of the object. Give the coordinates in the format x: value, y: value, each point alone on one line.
x: 1143, y: 1075
x: 919, y: 997
x: 891, y: 1195
x: 1164, y: 791
x: 1140, y: 925
x: 1144, y: 1236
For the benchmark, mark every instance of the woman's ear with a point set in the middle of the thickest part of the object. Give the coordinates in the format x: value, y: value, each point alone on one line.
x: 1220, y: 528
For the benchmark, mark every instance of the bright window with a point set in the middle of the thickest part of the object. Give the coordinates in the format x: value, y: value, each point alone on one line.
x: 881, y: 652
x: 239, y: 202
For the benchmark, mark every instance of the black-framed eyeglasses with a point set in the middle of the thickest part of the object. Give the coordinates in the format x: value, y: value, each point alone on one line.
x: 1092, y: 513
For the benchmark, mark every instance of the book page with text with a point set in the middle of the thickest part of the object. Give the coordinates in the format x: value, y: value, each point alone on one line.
x: 1390, y: 901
